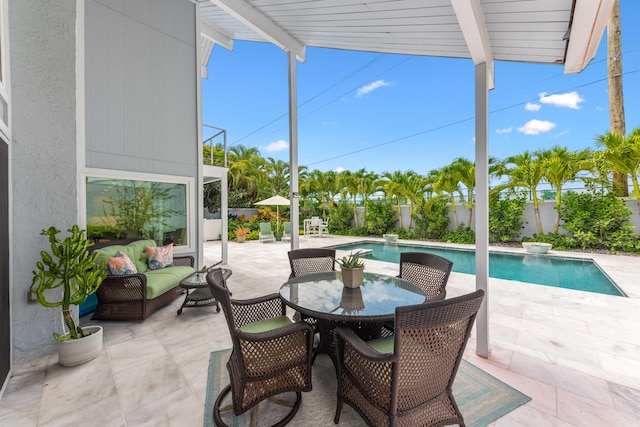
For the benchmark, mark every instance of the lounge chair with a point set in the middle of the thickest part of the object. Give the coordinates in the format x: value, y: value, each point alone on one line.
x: 265, y: 232
x: 286, y: 231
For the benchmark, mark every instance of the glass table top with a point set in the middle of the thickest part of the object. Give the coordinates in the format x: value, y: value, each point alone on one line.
x: 324, y: 293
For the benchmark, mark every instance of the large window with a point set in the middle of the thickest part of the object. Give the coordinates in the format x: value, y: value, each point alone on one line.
x: 119, y: 208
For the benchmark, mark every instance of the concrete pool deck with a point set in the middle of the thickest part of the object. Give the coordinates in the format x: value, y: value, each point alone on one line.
x: 576, y: 354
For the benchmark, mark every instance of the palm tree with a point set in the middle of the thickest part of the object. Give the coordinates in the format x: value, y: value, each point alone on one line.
x: 394, y: 186
x: 278, y: 173
x: 447, y: 182
x: 562, y: 166
x: 246, y: 174
x: 624, y: 155
x: 415, y: 188
x: 352, y: 182
x: 369, y: 186
x: 527, y: 172
x: 465, y: 171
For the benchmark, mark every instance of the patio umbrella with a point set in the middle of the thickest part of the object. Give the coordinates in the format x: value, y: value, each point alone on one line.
x: 276, y: 201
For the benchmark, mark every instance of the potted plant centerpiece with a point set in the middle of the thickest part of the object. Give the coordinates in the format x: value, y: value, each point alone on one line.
x: 352, y: 269
x: 64, y: 277
x: 241, y: 233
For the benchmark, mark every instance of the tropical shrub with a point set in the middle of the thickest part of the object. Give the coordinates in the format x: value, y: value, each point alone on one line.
x: 380, y: 217
x: 340, y: 218
x: 506, y: 217
x: 461, y: 235
x: 599, y: 220
x: 431, y: 218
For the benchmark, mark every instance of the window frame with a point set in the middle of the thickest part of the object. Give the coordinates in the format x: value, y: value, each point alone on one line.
x: 140, y: 176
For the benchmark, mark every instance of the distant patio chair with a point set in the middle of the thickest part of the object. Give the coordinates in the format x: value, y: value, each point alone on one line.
x: 286, y: 231
x: 314, y: 226
x: 265, y: 233
x: 323, y: 227
x: 407, y: 379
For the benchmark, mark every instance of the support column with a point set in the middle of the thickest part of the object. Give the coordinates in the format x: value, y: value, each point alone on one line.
x: 293, y: 150
x: 482, y: 206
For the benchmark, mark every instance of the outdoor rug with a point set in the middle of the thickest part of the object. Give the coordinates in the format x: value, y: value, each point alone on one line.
x: 481, y: 397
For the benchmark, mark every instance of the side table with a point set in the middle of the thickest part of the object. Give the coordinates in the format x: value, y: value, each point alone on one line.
x: 198, y: 293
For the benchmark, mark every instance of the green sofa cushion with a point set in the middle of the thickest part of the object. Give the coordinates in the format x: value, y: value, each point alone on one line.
x: 266, y: 324
x: 382, y: 345
x: 160, y: 281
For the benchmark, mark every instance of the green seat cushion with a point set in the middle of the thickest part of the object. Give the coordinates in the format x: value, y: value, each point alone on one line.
x: 266, y: 324
x: 160, y: 281
x: 382, y: 345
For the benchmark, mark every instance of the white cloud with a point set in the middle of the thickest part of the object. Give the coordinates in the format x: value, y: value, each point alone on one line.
x: 567, y: 100
x: 505, y: 130
x: 535, y: 127
x: 333, y: 123
x: 371, y: 87
x: 563, y: 133
x: 275, y: 146
x: 340, y: 169
x: 532, y: 107
x: 599, y: 108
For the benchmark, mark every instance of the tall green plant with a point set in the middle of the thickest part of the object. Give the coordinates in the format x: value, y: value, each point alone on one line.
x: 68, y: 268
x: 139, y: 207
x: 599, y: 220
x: 380, y: 218
x: 506, y: 217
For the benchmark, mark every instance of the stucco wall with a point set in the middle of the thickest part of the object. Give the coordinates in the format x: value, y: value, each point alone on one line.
x: 43, y: 183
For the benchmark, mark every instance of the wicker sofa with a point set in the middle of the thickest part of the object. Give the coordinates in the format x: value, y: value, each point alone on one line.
x: 136, y: 296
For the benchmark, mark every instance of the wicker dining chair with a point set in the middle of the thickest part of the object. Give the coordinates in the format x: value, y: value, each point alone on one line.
x: 311, y: 260
x: 407, y: 379
x: 427, y: 271
x: 308, y: 261
x: 271, y: 354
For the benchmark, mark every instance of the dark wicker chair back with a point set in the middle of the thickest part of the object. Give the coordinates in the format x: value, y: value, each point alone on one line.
x: 412, y: 385
x: 265, y: 361
x: 427, y: 271
x: 312, y: 260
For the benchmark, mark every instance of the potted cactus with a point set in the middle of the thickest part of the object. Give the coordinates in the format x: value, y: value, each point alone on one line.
x: 66, y: 276
x: 352, y: 268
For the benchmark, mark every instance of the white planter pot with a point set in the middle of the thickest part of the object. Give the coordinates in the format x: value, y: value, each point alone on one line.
x: 390, y: 238
x: 536, y: 247
x: 76, y: 352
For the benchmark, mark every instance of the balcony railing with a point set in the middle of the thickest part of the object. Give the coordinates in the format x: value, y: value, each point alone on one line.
x: 212, y: 136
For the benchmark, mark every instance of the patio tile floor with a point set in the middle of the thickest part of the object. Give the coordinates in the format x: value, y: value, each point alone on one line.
x: 576, y: 354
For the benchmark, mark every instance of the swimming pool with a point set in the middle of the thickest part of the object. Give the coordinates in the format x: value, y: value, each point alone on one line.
x: 561, y: 272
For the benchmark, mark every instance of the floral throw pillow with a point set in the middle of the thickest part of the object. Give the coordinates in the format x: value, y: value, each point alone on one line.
x: 121, y: 264
x: 160, y: 257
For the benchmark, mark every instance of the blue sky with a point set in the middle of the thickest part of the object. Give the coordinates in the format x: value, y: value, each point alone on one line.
x: 393, y: 112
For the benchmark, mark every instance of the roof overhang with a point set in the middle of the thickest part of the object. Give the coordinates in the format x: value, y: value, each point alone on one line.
x: 542, y: 31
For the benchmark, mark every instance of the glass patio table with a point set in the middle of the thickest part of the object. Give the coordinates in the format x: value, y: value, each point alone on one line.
x: 365, y: 309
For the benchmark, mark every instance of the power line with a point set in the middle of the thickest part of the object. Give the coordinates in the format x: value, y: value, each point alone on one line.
x: 348, y: 76
x: 457, y: 122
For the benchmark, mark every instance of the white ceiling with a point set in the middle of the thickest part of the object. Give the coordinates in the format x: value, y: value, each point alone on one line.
x: 484, y: 30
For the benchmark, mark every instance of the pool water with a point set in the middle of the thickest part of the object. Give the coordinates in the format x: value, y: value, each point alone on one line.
x: 561, y: 272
